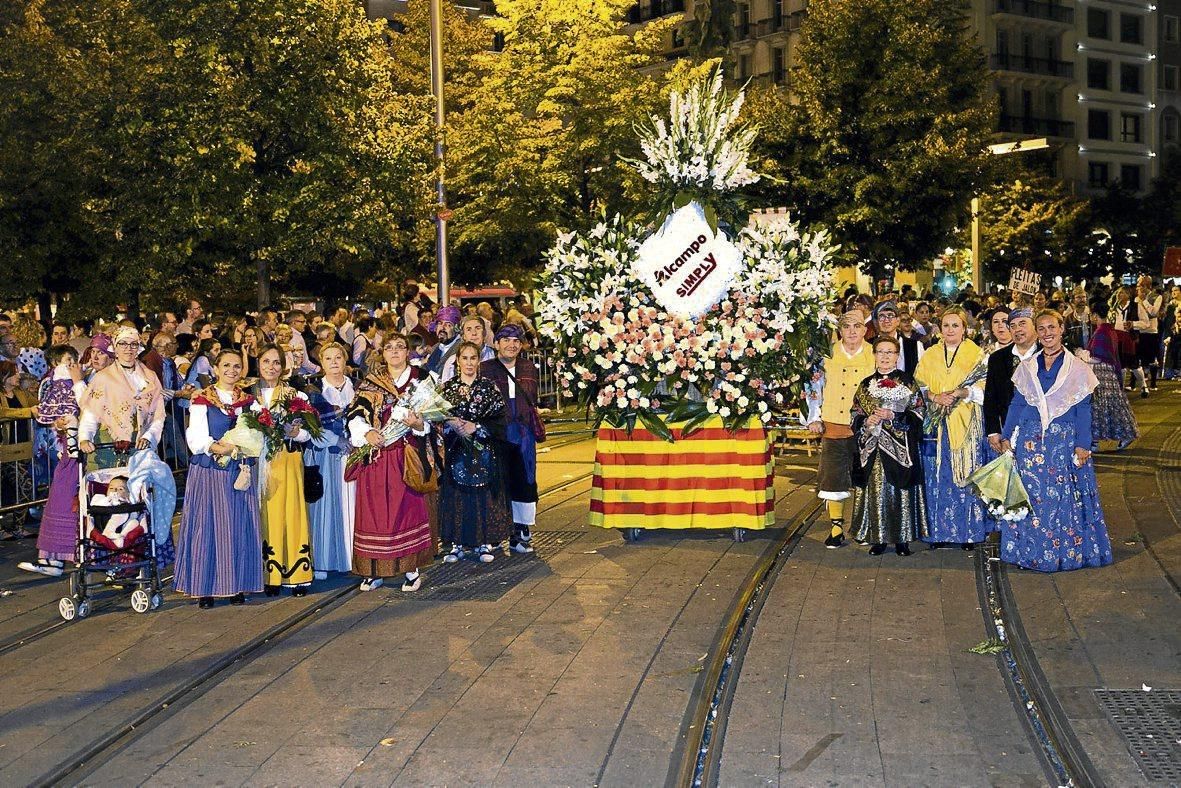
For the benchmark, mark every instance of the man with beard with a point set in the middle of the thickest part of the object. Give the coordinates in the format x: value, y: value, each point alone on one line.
x: 444, y: 328
x: 998, y: 386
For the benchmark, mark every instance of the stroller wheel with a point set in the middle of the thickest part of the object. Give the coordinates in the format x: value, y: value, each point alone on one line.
x: 84, y: 608
x: 66, y: 608
x: 157, y: 600
x: 140, y: 601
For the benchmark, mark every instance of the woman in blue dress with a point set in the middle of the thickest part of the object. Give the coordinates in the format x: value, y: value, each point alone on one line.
x: 1048, y: 429
x: 333, y: 514
x: 219, y: 552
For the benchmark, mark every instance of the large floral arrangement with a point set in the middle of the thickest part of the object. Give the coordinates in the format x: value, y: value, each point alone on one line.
x: 624, y: 353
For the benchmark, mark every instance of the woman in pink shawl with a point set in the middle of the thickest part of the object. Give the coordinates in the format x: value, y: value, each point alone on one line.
x: 124, y: 406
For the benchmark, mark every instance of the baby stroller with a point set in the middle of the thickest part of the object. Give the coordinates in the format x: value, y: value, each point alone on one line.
x: 123, y: 560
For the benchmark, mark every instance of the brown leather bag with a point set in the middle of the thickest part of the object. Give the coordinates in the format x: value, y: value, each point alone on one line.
x: 419, y: 470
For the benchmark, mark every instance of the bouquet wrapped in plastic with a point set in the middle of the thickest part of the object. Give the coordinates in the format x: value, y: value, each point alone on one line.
x: 423, y: 398
x: 998, y: 484
x: 246, y: 440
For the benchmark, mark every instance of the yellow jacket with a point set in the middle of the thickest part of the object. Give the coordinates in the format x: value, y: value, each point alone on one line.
x: 842, y: 374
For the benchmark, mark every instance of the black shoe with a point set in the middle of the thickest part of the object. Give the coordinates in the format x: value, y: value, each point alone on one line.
x: 270, y: 590
x: 833, y: 542
x: 877, y: 549
x: 968, y: 547
x: 902, y: 548
x: 936, y: 545
x: 238, y: 599
x: 1143, y: 393
x: 205, y: 602
x: 299, y: 591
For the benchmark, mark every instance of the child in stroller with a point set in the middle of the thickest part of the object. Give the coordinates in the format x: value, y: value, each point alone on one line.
x: 123, y: 528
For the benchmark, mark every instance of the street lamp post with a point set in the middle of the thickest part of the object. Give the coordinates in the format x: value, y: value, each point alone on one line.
x: 441, y: 211
x: 999, y: 149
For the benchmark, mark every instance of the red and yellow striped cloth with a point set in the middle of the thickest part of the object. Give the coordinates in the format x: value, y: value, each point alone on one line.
x: 712, y: 479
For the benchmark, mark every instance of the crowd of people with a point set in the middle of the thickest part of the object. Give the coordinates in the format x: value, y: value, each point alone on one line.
x: 916, y: 395
x: 303, y: 507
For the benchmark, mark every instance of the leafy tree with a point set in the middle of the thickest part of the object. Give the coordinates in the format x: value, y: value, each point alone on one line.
x: 1033, y: 222
x: 537, y: 149
x: 886, y: 141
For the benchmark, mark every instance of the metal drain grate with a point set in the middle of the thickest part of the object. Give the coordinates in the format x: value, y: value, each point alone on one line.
x: 469, y: 580
x: 1151, y: 724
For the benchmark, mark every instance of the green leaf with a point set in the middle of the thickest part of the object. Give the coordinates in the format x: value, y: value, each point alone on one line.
x: 656, y: 425
x: 682, y: 199
x: 695, y: 423
x: 711, y: 218
x: 990, y: 646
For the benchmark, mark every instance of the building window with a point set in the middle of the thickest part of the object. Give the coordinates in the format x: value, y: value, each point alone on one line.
x: 1099, y: 124
x: 1097, y: 174
x: 1098, y: 73
x: 1129, y: 77
x: 1098, y: 23
x: 778, y: 70
x: 1169, y: 128
x: 1169, y: 80
x: 1172, y: 34
x: 743, y: 22
x: 1129, y: 127
x: 777, y: 13
x: 743, y: 68
x: 1129, y: 175
x: 1131, y: 28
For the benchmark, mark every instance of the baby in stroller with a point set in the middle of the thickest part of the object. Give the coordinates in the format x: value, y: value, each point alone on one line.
x: 122, y: 528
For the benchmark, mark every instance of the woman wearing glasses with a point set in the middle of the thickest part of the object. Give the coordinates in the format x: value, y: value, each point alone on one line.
x: 123, y: 406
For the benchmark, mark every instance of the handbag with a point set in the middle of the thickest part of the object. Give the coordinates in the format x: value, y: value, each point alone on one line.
x: 313, y: 483
x: 418, y: 470
x: 534, y: 417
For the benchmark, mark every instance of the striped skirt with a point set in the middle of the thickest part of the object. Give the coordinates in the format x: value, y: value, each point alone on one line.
x: 219, y: 552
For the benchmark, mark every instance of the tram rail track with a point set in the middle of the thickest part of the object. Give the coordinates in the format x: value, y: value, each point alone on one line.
x: 101, y: 750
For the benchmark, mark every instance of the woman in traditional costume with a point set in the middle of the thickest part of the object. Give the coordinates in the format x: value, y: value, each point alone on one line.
x: 123, y: 406
x: 473, y: 508
x: 956, y: 448
x: 219, y: 553
x: 333, y: 514
x: 286, y: 534
x: 1111, y: 416
x: 887, y: 424
x: 1048, y: 429
x: 392, y: 534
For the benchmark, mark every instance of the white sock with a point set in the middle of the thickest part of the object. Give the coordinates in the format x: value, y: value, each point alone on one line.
x: 411, y: 576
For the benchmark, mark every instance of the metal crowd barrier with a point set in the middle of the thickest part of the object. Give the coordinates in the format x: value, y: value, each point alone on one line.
x: 27, y: 458
x: 549, y: 390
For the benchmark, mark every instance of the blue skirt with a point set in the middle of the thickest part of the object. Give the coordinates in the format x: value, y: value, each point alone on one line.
x: 331, y: 517
x: 219, y: 552
x: 1066, y: 528
x: 954, y: 514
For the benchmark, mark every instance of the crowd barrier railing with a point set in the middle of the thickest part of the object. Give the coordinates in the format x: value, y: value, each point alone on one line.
x: 27, y: 457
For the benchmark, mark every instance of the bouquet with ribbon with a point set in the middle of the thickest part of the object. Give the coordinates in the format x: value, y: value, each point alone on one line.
x: 998, y: 485
x: 423, y: 398
x: 273, y: 422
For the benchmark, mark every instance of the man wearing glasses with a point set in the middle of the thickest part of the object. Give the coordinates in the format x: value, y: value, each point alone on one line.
x: 192, y: 314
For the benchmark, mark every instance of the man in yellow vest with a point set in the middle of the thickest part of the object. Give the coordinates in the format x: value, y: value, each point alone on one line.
x: 830, y: 397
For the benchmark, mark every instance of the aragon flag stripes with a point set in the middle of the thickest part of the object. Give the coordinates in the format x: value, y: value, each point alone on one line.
x: 712, y: 479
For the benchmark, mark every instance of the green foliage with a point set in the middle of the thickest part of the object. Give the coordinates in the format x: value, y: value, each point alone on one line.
x: 537, y: 147
x: 885, y: 142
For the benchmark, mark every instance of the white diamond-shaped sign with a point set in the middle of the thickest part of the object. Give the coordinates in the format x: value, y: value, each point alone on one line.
x: 687, y: 266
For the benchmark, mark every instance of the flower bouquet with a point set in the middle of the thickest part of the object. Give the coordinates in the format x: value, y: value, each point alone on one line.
x: 998, y: 484
x: 937, y: 414
x: 273, y: 422
x: 423, y: 398
x: 246, y: 439
x: 890, y: 394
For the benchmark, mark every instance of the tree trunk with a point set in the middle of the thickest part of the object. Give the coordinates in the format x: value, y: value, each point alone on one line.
x: 264, y: 284
x: 45, y: 311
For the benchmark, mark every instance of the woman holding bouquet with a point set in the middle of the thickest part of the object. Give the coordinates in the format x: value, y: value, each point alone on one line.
x: 473, y: 510
x: 290, y: 421
x: 888, y: 429
x: 219, y: 551
x: 332, y: 515
x: 953, y: 372
x: 1048, y: 429
x: 392, y: 533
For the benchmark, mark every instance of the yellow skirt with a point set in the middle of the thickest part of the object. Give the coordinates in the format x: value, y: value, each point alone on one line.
x: 286, y: 538
x: 712, y: 479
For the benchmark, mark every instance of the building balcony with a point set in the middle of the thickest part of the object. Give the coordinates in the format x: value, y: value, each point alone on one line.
x: 1043, y: 66
x: 1042, y: 127
x: 1035, y: 9
x: 654, y: 10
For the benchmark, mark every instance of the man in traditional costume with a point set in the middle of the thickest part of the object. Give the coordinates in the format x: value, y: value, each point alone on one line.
x: 886, y: 320
x: 517, y: 380
x: 446, y: 329
x: 998, y: 385
x: 830, y: 398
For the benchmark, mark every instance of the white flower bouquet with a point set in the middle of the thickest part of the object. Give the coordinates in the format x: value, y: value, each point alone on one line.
x: 423, y: 398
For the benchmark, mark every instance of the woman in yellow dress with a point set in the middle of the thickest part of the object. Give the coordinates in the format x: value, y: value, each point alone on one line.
x: 286, y: 536
x: 956, y: 448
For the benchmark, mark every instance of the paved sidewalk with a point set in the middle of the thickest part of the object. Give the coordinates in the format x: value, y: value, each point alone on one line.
x: 858, y: 671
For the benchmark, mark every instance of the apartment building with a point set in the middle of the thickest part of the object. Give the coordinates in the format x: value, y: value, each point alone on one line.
x: 1169, y: 74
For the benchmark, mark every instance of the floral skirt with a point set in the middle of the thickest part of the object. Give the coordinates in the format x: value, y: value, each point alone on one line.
x: 1066, y: 528
x: 1111, y: 416
x: 956, y: 515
